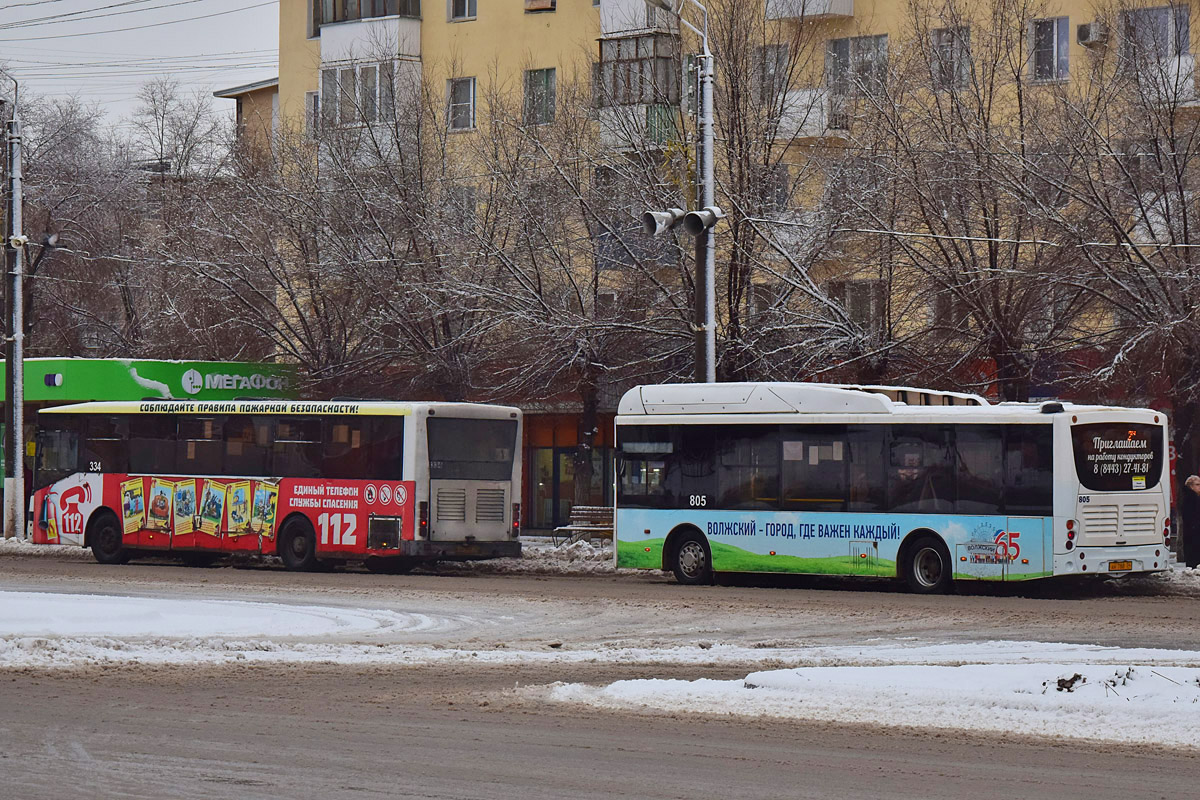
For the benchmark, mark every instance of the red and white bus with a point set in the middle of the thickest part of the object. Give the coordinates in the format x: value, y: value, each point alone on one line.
x: 391, y: 484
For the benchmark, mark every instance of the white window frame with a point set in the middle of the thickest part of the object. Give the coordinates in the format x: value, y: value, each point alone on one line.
x: 1178, y: 19
x: 312, y: 114
x: 865, y: 65
x: 372, y: 99
x: 469, y: 8
x: 951, y: 48
x: 1060, y: 66
x: 542, y: 113
x: 452, y: 106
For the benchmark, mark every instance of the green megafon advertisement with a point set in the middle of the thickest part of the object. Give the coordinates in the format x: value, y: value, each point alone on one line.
x: 72, y: 380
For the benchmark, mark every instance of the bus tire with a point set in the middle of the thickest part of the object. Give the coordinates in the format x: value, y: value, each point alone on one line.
x: 927, y: 566
x: 298, y: 545
x: 107, y: 539
x: 691, y: 560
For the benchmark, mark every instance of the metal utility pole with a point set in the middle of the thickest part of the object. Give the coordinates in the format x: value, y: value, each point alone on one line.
x: 14, y: 384
x: 700, y: 223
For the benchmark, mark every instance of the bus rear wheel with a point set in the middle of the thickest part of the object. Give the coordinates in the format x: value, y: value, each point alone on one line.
x: 691, y: 563
x: 298, y: 546
x: 927, y: 570
x: 108, y: 540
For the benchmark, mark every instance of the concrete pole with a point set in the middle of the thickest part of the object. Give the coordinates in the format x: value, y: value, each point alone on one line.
x: 707, y: 197
x: 14, y: 490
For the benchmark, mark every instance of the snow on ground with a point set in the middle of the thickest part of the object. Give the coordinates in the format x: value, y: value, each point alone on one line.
x: 1133, y: 702
x: 20, y: 547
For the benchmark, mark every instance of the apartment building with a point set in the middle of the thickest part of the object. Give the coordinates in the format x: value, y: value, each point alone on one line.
x: 342, y: 61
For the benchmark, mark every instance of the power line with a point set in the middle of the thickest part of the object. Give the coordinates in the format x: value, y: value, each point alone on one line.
x: 141, y: 27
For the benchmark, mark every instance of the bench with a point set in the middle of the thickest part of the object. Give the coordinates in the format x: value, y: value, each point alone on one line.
x: 585, y: 522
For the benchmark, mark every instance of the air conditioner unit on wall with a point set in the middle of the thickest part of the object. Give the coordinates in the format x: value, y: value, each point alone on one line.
x: 1092, y: 33
x: 539, y: 5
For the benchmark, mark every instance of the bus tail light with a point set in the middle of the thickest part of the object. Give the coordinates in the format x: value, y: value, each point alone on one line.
x: 423, y: 520
x: 1070, y: 534
x: 516, y: 520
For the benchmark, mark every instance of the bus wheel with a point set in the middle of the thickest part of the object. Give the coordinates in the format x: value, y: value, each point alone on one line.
x: 108, y: 540
x: 691, y: 563
x: 927, y: 569
x: 298, y: 546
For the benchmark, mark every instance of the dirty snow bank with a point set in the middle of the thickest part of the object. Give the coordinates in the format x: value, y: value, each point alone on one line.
x: 1071, y: 691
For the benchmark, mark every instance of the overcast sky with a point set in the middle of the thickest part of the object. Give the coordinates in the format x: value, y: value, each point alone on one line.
x: 103, y: 50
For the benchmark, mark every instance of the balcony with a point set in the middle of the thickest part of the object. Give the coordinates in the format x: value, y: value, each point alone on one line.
x: 809, y: 9
x: 374, y: 39
x: 814, y: 114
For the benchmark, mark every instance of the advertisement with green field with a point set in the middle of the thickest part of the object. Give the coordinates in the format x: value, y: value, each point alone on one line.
x: 982, y: 548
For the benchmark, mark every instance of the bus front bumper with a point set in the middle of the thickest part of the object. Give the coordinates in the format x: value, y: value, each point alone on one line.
x: 458, y: 551
x: 1112, y: 560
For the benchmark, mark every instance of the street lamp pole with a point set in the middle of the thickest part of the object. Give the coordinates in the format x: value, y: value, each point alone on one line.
x: 14, y: 384
x: 706, y: 257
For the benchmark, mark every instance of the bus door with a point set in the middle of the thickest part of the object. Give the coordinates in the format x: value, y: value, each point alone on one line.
x: 1022, y: 545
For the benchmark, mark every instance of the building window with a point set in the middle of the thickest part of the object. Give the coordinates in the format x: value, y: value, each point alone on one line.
x: 462, y: 10
x: 355, y: 94
x: 1154, y: 35
x: 865, y: 302
x: 857, y: 64
x: 539, y: 5
x: 312, y: 114
x: 771, y: 72
x: 951, y: 58
x: 462, y: 205
x: 1051, y: 43
x: 461, y: 113
x: 637, y: 70
x: 660, y: 123
x: 327, y: 11
x: 539, y: 96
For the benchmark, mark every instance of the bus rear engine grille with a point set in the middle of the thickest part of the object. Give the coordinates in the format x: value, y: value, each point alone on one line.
x: 489, y: 505
x: 383, y: 533
x: 451, y: 505
x: 1139, y: 519
x: 1100, y: 520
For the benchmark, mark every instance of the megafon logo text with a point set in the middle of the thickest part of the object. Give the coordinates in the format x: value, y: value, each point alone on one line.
x: 193, y: 381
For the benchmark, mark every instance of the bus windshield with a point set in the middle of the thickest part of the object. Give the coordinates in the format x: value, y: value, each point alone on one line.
x: 1118, y: 456
x: 471, y: 449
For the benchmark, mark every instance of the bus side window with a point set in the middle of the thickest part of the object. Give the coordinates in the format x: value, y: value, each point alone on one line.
x: 1028, y: 470
x: 979, y: 451
x: 297, y: 448
x: 919, y: 469
x: 104, y: 448
x: 748, y: 467
x: 386, y: 441
x: 247, y: 446
x: 865, y: 472
x: 199, y: 449
x: 152, y: 444
x: 813, y: 468
x: 643, y: 471
x: 58, y: 447
x: 346, y: 455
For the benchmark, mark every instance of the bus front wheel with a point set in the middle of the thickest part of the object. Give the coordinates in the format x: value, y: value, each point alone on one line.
x: 927, y: 569
x: 691, y: 564
x: 298, y: 546
x: 108, y: 540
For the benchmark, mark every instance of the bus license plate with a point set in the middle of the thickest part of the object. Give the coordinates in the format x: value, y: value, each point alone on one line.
x: 1117, y: 566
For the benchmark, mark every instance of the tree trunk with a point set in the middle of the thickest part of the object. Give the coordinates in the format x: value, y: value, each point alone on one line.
x: 589, y: 393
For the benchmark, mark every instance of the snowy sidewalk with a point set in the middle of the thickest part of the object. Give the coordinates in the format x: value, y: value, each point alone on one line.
x: 1069, y: 691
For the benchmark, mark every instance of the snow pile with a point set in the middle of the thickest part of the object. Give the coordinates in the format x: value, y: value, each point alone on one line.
x: 540, y: 556
x: 1179, y: 581
x: 20, y: 547
x: 1143, y: 696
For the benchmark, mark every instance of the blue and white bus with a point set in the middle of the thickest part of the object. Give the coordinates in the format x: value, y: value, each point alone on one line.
x: 930, y: 487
